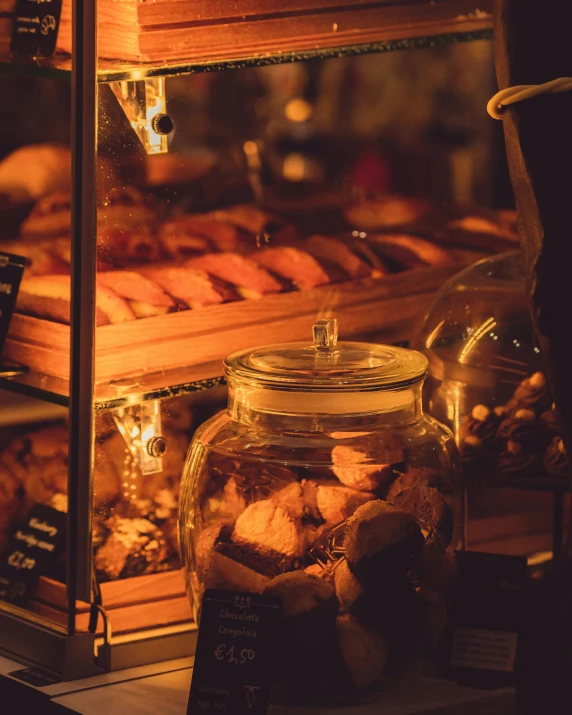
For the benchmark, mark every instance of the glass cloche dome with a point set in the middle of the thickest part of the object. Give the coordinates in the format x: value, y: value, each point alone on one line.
x: 486, y: 377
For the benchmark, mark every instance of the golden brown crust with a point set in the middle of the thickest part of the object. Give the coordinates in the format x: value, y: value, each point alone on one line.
x: 294, y: 264
x: 192, y: 287
x: 49, y: 297
x: 411, y: 250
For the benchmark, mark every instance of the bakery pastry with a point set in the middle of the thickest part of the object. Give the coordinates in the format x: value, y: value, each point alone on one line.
x: 190, y: 287
x: 515, y: 459
x: 269, y: 533
x: 251, y: 219
x: 11, y: 499
x: 133, y: 547
x: 42, y: 260
x: 365, y: 653
x: 336, y: 251
x: 336, y: 502
x: 32, y: 171
x: 38, y: 462
x: 293, y: 264
x: 49, y: 297
x: 301, y: 593
x: 250, y: 279
x: 555, y: 459
x: 201, y: 233
x: 310, y: 659
x: 51, y: 216
x: 429, y: 507
x: 381, y: 542
x: 254, y: 480
x: 388, y: 212
x: 144, y: 297
x: 418, y: 477
x: 522, y: 427
x: 533, y: 393
x: 481, y: 423
x: 225, y: 573
x: 354, y: 469
x: 403, y: 251
x: 107, y: 464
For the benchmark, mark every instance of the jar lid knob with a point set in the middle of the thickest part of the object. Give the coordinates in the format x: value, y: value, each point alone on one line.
x: 325, y: 334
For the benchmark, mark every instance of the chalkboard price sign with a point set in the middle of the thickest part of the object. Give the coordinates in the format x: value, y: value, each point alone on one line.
x: 36, y: 27
x: 236, y: 649
x: 11, y: 271
x: 33, y: 547
x: 487, y: 617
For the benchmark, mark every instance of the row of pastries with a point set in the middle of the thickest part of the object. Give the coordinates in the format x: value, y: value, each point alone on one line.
x: 153, y: 260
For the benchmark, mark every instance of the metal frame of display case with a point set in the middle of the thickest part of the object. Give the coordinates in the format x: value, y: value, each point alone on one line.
x: 24, y: 637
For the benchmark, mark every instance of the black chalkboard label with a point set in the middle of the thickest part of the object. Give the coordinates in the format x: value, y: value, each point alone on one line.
x: 36, y: 27
x: 487, y: 618
x: 33, y: 547
x: 11, y: 270
x: 36, y: 677
x: 236, y: 652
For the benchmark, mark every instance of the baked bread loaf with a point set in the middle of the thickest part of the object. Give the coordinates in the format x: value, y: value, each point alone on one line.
x: 341, y: 254
x: 51, y: 216
x: 51, y: 172
x: 42, y: 260
x: 382, y: 542
x: 389, y: 212
x: 405, y: 251
x: 293, y: 264
x: 201, y: 233
x: 250, y: 279
x: 49, y: 297
x: 191, y: 288
x: 144, y: 297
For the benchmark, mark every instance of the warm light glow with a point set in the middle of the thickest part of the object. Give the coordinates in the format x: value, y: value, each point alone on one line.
x: 433, y: 334
x: 475, y: 337
x: 294, y: 167
x: 250, y: 148
x: 298, y: 110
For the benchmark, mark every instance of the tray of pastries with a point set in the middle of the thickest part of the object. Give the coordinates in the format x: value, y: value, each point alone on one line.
x: 179, y: 290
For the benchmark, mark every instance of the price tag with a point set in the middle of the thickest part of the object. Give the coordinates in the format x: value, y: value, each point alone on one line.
x: 36, y: 27
x: 487, y: 617
x: 33, y: 547
x: 236, y: 650
x: 11, y: 270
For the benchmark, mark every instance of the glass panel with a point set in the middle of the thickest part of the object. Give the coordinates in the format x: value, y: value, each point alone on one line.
x: 35, y: 183
x: 138, y: 463
x: 33, y: 503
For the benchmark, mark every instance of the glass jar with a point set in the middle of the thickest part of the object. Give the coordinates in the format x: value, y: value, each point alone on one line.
x: 326, y: 485
x: 486, y: 379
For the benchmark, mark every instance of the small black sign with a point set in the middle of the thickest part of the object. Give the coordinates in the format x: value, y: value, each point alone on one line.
x: 33, y: 548
x: 36, y: 677
x: 36, y: 27
x: 487, y: 617
x: 11, y: 270
x: 236, y: 649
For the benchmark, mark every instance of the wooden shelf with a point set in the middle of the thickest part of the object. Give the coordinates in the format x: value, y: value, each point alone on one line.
x: 192, y: 36
x: 183, y: 352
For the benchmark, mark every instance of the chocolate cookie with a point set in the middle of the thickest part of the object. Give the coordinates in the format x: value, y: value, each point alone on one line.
x: 429, y: 507
x: 382, y: 542
x: 533, y: 393
x: 555, y: 459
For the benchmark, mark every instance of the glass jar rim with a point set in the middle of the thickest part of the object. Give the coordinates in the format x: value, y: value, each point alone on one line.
x: 326, y: 365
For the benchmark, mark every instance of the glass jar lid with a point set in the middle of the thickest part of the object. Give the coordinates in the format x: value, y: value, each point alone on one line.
x: 327, y: 365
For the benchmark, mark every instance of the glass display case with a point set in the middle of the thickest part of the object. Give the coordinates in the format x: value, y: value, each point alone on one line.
x: 177, y: 204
